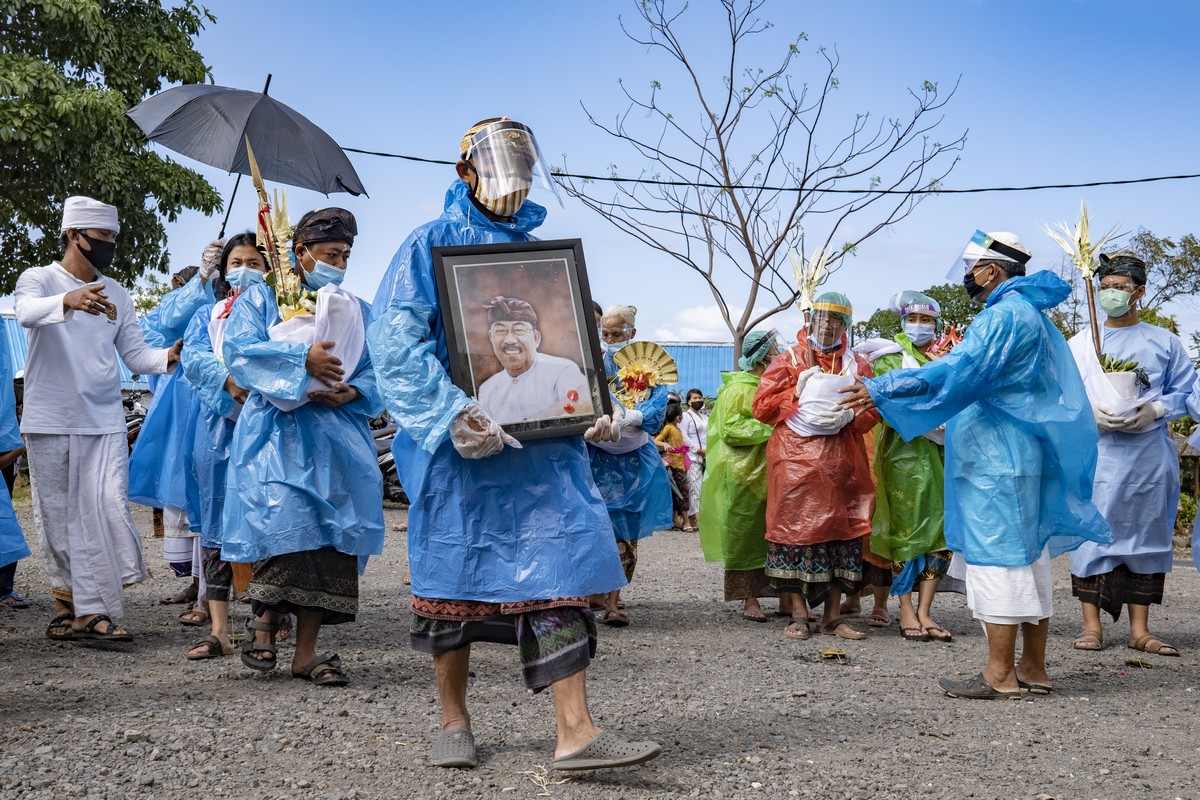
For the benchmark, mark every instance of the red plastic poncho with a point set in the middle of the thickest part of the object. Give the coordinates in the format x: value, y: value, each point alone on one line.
x: 819, y: 488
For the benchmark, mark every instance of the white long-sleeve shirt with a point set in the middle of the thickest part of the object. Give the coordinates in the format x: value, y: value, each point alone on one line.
x: 694, y: 427
x: 71, y: 381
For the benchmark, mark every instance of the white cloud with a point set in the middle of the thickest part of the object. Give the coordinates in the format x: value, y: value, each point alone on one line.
x: 705, y: 324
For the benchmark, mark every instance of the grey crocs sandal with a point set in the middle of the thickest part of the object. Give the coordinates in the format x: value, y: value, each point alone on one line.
x: 608, y: 750
x: 454, y: 749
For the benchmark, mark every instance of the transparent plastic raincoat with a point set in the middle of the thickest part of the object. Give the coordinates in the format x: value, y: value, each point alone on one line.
x: 160, y: 471
x: 1020, y: 434
x: 909, y: 503
x: 635, y: 486
x: 733, y: 498
x: 524, y: 524
x: 214, y: 431
x: 297, y: 480
x: 819, y: 488
x: 12, y: 540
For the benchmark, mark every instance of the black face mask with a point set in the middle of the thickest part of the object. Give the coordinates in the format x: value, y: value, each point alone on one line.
x: 101, y: 254
x: 973, y: 289
x: 697, y: 404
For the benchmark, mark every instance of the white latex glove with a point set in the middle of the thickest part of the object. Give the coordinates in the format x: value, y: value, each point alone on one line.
x: 632, y: 419
x: 604, y: 429
x: 1143, y: 416
x: 803, y: 378
x: 211, y: 259
x: 1106, y: 421
x: 833, y: 420
x: 476, y: 435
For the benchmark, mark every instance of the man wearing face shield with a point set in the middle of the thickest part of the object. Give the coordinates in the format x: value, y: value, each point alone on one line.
x: 78, y: 320
x: 505, y: 543
x: 820, y: 494
x: 1020, y: 455
x: 733, y: 499
x: 1137, y: 475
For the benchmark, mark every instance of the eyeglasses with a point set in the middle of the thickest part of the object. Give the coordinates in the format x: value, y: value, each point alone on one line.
x: 503, y: 331
x: 614, y: 334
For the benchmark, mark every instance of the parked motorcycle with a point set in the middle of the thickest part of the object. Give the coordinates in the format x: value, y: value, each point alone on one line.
x: 135, y: 414
x: 384, y: 430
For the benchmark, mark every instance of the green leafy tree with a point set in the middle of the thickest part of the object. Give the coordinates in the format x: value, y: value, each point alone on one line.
x: 69, y: 70
x: 957, y: 309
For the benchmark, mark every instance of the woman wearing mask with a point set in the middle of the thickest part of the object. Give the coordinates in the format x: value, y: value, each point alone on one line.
x: 907, y: 527
x: 694, y: 426
x: 820, y: 495
x: 242, y: 265
x: 629, y: 472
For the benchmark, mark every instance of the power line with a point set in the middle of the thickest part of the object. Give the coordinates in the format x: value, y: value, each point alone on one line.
x: 653, y: 182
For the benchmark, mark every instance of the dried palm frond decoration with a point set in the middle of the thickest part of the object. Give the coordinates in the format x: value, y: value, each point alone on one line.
x: 274, y: 237
x: 640, y: 367
x: 1084, y: 254
x: 809, y: 278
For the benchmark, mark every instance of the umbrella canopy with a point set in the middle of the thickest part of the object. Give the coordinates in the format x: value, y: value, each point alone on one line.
x: 211, y: 123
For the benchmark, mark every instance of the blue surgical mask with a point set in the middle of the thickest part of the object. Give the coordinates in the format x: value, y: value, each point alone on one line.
x: 919, y: 333
x: 612, y: 347
x: 244, y: 277
x: 322, y: 274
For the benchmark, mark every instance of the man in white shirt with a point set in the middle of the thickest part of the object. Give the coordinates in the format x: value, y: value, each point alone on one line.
x: 77, y: 320
x: 531, y: 385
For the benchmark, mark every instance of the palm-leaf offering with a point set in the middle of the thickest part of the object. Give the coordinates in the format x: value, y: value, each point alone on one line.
x: 1084, y: 254
x: 640, y: 367
x: 274, y: 237
x: 809, y: 278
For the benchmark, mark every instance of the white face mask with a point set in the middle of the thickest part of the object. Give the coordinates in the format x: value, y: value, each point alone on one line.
x: 920, y: 333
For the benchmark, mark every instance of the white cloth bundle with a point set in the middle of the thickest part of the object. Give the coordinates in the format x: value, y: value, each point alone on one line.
x: 338, y: 320
x: 821, y: 396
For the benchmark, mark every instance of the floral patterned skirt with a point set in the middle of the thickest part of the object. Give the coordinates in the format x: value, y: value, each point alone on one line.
x: 811, y: 570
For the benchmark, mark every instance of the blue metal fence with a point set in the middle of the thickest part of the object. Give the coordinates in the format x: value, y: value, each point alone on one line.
x: 701, y: 364
x: 18, y: 352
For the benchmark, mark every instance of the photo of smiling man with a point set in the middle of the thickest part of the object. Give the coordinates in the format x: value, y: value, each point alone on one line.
x: 530, y: 385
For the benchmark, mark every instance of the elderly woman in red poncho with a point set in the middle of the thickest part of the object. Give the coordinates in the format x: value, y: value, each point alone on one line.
x: 820, y: 495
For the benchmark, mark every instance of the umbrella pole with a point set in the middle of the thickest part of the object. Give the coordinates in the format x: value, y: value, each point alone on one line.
x: 229, y: 207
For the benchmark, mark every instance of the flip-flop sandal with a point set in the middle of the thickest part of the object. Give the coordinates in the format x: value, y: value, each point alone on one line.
x: 212, y: 649
x: 934, y: 630
x: 798, y: 631
x: 1034, y: 688
x: 976, y: 688
x: 1089, y: 640
x: 454, y: 749
x: 608, y: 750
x: 1149, y: 643
x: 61, y: 623
x: 249, y: 647
x: 194, y: 617
x: 89, y: 631
x: 14, y: 600
x: 759, y: 617
x: 919, y: 635
x: 879, y: 618
x: 615, y: 619
x: 187, y: 595
x: 324, y: 670
x: 834, y: 628
x: 285, y: 628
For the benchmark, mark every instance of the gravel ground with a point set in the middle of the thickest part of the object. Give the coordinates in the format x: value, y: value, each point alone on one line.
x: 739, y: 710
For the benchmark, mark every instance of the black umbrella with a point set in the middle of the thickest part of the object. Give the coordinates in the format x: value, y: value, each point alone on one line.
x: 211, y: 124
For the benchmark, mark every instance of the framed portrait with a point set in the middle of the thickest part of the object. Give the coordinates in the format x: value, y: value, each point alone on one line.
x: 522, y: 335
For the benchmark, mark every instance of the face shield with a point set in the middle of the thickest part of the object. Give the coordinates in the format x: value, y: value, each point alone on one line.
x: 984, y: 247
x: 507, y: 162
x: 826, y: 328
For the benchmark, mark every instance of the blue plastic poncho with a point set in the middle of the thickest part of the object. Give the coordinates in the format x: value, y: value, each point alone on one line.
x: 160, y: 472
x: 635, y: 486
x: 524, y: 524
x: 1020, y: 435
x: 1137, y: 474
x: 214, y: 431
x: 297, y: 480
x: 12, y: 540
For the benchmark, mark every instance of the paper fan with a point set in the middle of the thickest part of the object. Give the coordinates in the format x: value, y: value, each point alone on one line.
x: 648, y: 357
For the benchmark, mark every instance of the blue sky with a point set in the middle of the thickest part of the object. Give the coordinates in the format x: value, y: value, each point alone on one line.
x: 1053, y: 91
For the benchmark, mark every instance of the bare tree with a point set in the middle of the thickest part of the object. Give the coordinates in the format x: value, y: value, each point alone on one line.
x: 750, y: 173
